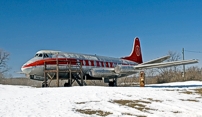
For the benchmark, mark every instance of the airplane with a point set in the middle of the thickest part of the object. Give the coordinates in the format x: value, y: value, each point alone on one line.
x: 95, y: 67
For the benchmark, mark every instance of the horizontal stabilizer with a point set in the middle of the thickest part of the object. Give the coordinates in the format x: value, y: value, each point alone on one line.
x: 158, y: 60
x: 165, y: 64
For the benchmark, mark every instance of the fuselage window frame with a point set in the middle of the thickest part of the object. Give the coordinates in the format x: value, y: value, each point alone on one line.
x: 84, y: 62
x: 95, y: 63
x: 40, y: 55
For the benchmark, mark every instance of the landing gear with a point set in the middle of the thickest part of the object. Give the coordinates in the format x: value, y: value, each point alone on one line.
x: 31, y: 76
x: 67, y: 84
x: 113, y: 83
x: 44, y: 85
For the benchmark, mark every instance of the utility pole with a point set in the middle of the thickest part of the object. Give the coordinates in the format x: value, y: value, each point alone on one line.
x: 183, y: 75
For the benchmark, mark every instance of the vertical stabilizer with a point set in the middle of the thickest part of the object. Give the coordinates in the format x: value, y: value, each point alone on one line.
x: 136, y: 54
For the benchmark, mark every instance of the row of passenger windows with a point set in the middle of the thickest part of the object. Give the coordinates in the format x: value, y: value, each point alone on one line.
x: 101, y: 64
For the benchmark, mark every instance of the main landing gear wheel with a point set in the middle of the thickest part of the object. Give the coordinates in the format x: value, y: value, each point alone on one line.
x: 44, y: 85
x: 67, y: 84
x: 113, y: 83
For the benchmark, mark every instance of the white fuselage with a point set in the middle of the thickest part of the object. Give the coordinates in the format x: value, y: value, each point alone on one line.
x: 35, y: 66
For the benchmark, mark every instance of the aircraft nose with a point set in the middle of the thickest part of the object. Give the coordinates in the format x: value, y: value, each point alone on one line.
x: 26, y: 70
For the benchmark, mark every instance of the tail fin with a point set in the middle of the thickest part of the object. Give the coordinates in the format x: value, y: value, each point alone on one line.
x: 136, y: 54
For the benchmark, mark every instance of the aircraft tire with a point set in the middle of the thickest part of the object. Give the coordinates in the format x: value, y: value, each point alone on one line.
x: 111, y: 84
x: 44, y: 85
x: 67, y: 85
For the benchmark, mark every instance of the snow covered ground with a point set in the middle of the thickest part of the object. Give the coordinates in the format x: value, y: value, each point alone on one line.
x: 93, y: 101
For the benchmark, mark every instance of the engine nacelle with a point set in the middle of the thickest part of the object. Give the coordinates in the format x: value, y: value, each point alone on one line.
x: 102, y: 72
x: 124, y: 69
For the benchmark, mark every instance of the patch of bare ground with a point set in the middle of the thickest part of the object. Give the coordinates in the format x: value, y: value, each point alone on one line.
x: 169, y: 90
x: 176, y: 111
x: 151, y: 99
x: 85, y: 102
x: 129, y: 114
x: 137, y: 104
x: 141, y: 116
x: 187, y: 92
x: 93, y: 112
x: 198, y: 91
x: 80, y: 102
x: 174, y: 90
x: 191, y: 100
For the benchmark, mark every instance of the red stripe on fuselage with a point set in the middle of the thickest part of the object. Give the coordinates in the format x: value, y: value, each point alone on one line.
x: 65, y: 61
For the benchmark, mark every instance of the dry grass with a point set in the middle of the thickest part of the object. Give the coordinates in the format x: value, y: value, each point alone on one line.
x: 173, y: 90
x: 176, y: 111
x: 169, y: 90
x: 187, y: 92
x: 198, y: 91
x: 80, y: 102
x: 137, y: 104
x: 127, y: 114
x: 191, y: 100
x: 85, y: 102
x: 133, y: 115
x: 140, y: 116
x: 154, y: 100
x: 92, y: 112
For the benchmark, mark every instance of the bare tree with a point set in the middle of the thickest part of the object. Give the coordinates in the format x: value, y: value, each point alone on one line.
x: 4, y: 56
x: 165, y: 74
x: 194, y: 73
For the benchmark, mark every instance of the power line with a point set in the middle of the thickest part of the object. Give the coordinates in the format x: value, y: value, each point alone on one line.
x: 193, y: 51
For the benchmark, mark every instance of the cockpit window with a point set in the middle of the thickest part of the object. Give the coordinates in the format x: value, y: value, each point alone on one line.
x: 45, y: 55
x: 40, y: 55
x: 36, y: 55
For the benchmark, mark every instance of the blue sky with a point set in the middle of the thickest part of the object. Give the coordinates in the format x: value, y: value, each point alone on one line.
x: 102, y: 27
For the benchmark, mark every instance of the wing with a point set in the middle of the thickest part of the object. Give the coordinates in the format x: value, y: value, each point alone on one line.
x: 164, y: 64
x: 129, y: 69
x: 158, y: 60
